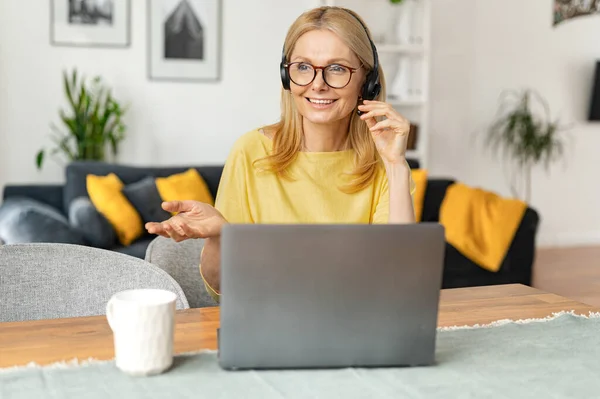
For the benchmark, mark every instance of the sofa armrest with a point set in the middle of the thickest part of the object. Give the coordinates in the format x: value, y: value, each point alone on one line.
x: 49, y: 194
x: 181, y: 260
x: 516, y: 268
x: 520, y: 256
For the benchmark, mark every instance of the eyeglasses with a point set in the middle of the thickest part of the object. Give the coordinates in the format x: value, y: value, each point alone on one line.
x: 335, y: 75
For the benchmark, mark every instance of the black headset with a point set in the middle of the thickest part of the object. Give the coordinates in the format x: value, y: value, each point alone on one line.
x: 371, y: 87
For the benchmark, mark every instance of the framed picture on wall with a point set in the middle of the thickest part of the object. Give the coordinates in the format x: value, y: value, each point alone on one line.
x: 90, y: 23
x: 184, y: 40
x: 565, y: 10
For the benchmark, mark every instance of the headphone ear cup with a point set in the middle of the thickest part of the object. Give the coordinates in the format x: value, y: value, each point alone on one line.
x: 365, y: 92
x: 376, y: 90
x: 371, y: 88
x: 285, y: 79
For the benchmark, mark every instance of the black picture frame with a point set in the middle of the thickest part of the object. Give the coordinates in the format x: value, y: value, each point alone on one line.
x: 89, y: 34
x: 189, y: 59
x: 594, y: 111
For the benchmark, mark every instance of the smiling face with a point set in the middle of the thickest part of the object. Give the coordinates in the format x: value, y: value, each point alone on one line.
x: 317, y: 102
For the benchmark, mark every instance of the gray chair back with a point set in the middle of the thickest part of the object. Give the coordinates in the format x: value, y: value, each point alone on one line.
x: 182, y: 261
x: 47, y: 281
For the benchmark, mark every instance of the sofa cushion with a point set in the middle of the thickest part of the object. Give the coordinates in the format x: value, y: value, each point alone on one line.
x: 188, y: 185
x: 419, y: 177
x: 413, y: 163
x: 51, y: 194
x: 145, y: 198
x: 93, y: 226
x: 106, y: 195
x: 76, y: 172
x: 24, y: 220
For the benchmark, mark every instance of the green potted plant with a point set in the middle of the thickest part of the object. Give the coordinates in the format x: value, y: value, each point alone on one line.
x: 93, y: 122
x: 525, y: 135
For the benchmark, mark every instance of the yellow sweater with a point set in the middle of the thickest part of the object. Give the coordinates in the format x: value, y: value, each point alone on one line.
x: 248, y: 195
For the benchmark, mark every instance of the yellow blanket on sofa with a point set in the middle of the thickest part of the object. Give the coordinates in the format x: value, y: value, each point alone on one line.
x: 480, y: 224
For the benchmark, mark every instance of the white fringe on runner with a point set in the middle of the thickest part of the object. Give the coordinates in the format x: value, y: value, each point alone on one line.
x: 92, y: 361
x: 74, y: 363
x: 497, y: 323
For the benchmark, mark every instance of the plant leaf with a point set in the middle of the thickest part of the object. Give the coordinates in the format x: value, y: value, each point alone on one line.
x: 39, y: 159
x: 92, y: 120
x: 68, y: 89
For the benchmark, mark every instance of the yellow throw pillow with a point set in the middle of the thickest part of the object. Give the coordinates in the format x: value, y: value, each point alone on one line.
x: 419, y: 176
x: 105, y: 193
x: 188, y: 185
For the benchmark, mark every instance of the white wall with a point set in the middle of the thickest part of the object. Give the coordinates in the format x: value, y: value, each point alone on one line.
x: 169, y: 123
x: 482, y: 47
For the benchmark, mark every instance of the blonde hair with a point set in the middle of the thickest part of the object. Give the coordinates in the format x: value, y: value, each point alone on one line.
x: 287, y: 134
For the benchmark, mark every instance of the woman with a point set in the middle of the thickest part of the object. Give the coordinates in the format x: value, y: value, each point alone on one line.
x: 322, y: 162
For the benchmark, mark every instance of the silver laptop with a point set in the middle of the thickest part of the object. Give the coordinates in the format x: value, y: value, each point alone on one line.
x: 327, y: 296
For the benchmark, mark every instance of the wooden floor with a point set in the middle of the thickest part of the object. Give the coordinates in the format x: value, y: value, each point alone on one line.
x: 570, y: 272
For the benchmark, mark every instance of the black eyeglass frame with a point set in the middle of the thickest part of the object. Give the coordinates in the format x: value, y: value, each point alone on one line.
x: 322, y: 68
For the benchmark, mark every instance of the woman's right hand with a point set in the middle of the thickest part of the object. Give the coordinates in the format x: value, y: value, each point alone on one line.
x: 193, y: 219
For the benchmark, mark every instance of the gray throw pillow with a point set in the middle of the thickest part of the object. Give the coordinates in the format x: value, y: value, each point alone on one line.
x: 91, y: 224
x: 145, y: 198
x: 24, y: 220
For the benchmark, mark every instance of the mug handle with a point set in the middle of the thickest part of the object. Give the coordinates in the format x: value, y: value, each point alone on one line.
x: 110, y: 314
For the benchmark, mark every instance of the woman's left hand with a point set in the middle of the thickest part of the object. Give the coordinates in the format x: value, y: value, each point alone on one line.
x: 391, y: 134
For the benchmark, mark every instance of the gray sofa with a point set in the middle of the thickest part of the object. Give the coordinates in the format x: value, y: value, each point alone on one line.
x: 46, y: 213
x: 62, y: 213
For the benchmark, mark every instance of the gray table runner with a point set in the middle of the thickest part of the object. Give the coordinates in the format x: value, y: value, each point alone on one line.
x: 558, y: 357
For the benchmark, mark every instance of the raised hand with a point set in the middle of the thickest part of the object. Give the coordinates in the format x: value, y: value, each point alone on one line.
x: 391, y: 134
x: 193, y: 219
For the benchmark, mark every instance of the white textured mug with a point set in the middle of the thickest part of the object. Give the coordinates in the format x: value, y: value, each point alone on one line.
x: 143, y: 323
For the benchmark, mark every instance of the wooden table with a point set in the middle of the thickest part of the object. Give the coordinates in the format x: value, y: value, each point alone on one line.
x: 47, y: 341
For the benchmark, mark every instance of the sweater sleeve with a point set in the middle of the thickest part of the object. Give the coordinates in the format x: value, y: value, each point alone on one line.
x: 382, y: 209
x: 232, y: 198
